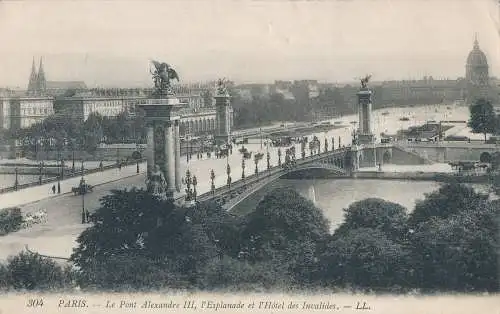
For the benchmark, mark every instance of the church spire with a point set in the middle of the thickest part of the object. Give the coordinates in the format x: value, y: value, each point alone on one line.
x: 32, y: 85
x: 41, y: 82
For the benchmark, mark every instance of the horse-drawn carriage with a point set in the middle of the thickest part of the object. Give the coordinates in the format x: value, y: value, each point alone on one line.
x: 82, y: 189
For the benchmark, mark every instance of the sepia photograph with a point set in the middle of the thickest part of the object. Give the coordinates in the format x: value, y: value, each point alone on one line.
x: 250, y: 156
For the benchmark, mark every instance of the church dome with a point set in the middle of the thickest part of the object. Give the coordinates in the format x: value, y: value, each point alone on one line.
x: 477, y: 57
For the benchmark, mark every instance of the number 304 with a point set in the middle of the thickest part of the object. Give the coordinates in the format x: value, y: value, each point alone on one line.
x: 34, y: 302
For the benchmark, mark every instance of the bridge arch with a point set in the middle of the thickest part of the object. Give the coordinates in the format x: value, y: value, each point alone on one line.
x: 485, y: 157
x: 254, y: 189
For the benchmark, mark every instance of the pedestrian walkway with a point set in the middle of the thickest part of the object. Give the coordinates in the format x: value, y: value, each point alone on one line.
x: 40, y: 192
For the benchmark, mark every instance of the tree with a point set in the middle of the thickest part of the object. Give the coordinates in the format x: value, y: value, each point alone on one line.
x: 450, y: 199
x: 121, y: 226
x: 390, y: 218
x: 287, y: 229
x: 482, y: 117
x: 128, y: 271
x: 31, y: 271
x: 460, y: 252
x: 364, y: 258
x: 135, y: 225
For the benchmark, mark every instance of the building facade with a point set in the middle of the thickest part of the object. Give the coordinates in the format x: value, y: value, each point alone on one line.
x: 477, y: 74
x: 28, y: 110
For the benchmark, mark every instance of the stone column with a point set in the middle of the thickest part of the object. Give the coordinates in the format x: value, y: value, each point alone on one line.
x: 150, y: 151
x: 177, y: 156
x: 170, y: 157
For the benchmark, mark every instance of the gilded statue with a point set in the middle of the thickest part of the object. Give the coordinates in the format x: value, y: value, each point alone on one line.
x: 162, y: 76
x: 365, y: 80
x: 222, y: 86
x: 156, y: 183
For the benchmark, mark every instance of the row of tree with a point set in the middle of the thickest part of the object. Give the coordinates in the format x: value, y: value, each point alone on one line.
x: 62, y: 132
x: 448, y: 243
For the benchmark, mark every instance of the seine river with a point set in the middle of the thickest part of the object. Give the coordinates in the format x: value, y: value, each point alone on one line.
x: 332, y: 196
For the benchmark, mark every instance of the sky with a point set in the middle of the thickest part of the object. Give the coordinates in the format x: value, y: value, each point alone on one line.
x: 110, y: 43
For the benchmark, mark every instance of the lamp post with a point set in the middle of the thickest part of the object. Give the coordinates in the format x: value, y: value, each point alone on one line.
x: 40, y: 173
x: 212, y: 178
x: 279, y: 157
x: 73, y: 153
x: 59, y: 176
x: 243, y: 168
x: 188, y: 181
x: 339, y: 142
x: 326, y: 144
x: 333, y: 143
x: 260, y: 132
x: 195, y: 182
x: 16, y: 183
x: 256, y: 161
x: 268, y: 156
x: 303, y: 148
x: 83, y: 191
x: 228, y: 171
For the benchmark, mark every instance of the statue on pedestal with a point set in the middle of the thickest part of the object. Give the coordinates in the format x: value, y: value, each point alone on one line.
x: 156, y: 183
x: 364, y: 81
x: 162, y: 76
x: 222, y: 87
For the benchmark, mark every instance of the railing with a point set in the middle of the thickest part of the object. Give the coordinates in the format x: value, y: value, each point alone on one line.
x: 72, y: 174
x: 253, y: 178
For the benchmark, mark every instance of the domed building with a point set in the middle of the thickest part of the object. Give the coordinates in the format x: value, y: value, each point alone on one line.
x: 476, y: 74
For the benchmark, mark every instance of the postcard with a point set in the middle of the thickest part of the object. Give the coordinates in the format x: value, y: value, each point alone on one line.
x: 250, y: 156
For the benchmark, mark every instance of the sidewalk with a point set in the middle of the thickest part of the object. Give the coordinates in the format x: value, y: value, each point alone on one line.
x: 37, y: 193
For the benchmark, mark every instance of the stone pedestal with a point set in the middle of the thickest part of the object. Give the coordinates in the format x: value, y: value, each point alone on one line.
x: 224, y: 119
x: 365, y: 133
x: 163, y: 140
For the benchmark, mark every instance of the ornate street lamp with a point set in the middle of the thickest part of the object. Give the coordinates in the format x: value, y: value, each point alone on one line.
x: 333, y: 143
x: 243, y: 168
x: 279, y: 156
x: 16, y: 183
x: 212, y: 178
x: 326, y: 145
x: 339, y: 142
x: 83, y: 190
x: 73, y: 153
x: 40, y: 173
x: 228, y: 171
x: 195, y: 182
x: 188, y: 181
x: 256, y: 161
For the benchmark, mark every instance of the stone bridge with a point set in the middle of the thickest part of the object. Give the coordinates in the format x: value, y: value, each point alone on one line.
x: 337, y: 163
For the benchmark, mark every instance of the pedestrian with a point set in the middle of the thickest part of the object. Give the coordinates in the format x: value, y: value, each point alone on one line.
x: 54, y: 189
x: 87, y: 216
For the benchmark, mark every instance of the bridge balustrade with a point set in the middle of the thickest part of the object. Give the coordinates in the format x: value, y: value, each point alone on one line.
x: 265, y: 175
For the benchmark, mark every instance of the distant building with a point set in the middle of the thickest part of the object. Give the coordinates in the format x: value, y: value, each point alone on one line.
x: 28, y: 110
x: 476, y: 74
